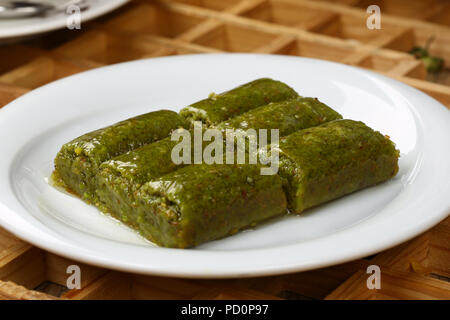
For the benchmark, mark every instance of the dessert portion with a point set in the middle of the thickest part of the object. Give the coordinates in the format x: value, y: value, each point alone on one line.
x: 128, y: 169
x: 287, y: 116
x: 78, y: 161
x: 220, y: 107
x: 200, y: 203
x: 326, y: 162
x: 121, y: 177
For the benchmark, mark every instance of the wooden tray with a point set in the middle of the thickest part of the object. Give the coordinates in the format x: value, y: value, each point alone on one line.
x: 418, y: 269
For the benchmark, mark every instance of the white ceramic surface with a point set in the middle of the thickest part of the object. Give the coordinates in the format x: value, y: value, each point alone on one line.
x: 33, y: 128
x: 17, y: 28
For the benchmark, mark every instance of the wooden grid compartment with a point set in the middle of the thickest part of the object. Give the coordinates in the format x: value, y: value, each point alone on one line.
x: 106, y: 47
x: 313, y: 49
x: 295, y: 15
x: 334, y: 31
x: 413, y: 38
x: 9, y: 93
x: 210, y: 4
x: 14, y: 56
x: 394, y: 65
x: 418, y: 269
x: 153, y: 18
x: 233, y: 38
x: 403, y: 34
x: 442, y: 16
x: 354, y: 28
x: 422, y: 10
x: 41, y: 71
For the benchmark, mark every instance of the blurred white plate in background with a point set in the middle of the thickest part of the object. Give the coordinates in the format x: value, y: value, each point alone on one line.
x: 13, y: 29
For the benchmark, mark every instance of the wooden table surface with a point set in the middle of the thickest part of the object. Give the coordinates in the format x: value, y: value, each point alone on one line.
x: 334, y: 30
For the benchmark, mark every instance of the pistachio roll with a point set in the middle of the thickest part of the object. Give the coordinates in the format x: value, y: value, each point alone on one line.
x: 77, y: 163
x: 200, y: 203
x: 220, y: 107
x: 326, y: 162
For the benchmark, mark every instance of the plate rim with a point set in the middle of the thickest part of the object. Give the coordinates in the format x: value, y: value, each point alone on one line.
x: 412, y: 232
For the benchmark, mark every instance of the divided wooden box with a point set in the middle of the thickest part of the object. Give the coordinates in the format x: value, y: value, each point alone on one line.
x: 330, y: 30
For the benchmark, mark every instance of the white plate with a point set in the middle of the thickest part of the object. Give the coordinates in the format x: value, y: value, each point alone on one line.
x: 34, y: 127
x: 17, y: 28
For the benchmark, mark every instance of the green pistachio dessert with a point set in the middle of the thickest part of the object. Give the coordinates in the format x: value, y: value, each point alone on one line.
x: 200, y: 203
x: 220, y: 107
x: 121, y: 177
x: 77, y: 163
x: 326, y: 162
x: 287, y: 116
x: 128, y: 169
